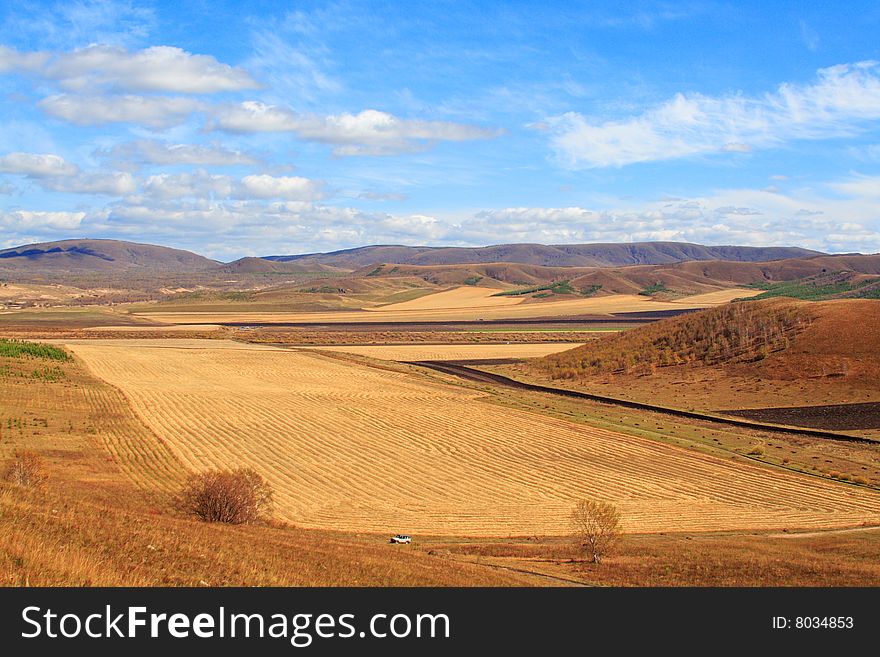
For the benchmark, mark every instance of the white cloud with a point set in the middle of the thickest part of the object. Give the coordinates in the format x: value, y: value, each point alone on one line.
x: 203, y: 185
x: 111, y: 184
x: 369, y: 132
x: 30, y: 220
x: 860, y: 186
x: 289, y: 187
x: 159, y: 68
x: 382, y: 196
x: 199, y: 184
x: 153, y: 111
x: 36, y: 165
x: 839, y: 103
x: 150, y: 151
x: 25, y: 62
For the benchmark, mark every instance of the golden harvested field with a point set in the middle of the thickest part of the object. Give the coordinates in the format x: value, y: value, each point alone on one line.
x: 458, y: 297
x: 356, y: 448
x: 442, y: 307
x: 452, y: 351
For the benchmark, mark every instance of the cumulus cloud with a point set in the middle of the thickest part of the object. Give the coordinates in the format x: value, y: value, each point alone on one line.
x: 223, y: 215
x: 22, y: 62
x: 110, y: 184
x: 197, y: 184
x: 150, y: 151
x: 286, y: 187
x: 153, y: 111
x: 369, y: 132
x: 53, y: 172
x: 203, y: 185
x: 159, y: 68
x: 36, y: 165
x: 31, y: 220
x: 840, y: 102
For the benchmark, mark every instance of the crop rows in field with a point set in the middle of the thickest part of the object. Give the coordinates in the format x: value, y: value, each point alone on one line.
x: 406, y: 352
x: 463, y: 304
x: 357, y: 448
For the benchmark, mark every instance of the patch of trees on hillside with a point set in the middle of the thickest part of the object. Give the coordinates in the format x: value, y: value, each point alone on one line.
x: 733, y: 333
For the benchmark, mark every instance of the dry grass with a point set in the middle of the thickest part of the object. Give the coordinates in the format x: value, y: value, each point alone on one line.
x: 452, y: 352
x: 351, y: 447
x: 429, y: 308
x: 825, y: 559
x: 815, y: 456
x: 58, y: 539
x: 300, y: 336
x: 27, y: 469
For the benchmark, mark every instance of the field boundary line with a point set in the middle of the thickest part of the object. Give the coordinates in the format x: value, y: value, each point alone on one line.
x: 460, y: 370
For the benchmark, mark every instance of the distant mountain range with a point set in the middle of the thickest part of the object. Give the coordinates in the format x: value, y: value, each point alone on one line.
x: 118, y: 257
x: 558, y: 255
x: 110, y: 256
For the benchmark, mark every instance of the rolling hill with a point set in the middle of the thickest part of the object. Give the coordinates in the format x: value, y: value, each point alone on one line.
x: 108, y: 256
x: 562, y: 255
x: 693, y: 277
x: 772, y: 338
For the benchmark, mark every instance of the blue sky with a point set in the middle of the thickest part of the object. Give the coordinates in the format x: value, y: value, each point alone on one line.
x: 288, y: 127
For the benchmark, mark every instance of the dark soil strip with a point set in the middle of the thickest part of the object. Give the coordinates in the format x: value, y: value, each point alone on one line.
x: 865, y: 415
x: 656, y: 314
x: 470, y: 374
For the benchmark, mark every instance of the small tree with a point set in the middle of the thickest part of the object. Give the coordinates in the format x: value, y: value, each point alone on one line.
x: 232, y: 496
x: 595, y: 527
x: 27, y: 470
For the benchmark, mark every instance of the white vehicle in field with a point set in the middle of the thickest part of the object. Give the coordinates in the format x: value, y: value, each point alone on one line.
x: 401, y: 538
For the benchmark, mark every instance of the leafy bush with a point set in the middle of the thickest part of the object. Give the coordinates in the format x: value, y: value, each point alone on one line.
x: 557, y: 287
x: 22, y: 349
x: 654, y: 289
x: 232, y: 496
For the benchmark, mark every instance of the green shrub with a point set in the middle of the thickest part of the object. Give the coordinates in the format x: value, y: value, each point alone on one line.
x: 22, y: 349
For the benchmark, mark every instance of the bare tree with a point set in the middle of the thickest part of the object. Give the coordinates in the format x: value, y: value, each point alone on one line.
x: 27, y: 470
x: 596, y: 528
x: 231, y: 496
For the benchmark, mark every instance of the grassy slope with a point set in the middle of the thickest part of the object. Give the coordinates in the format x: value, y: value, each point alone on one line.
x: 728, y: 333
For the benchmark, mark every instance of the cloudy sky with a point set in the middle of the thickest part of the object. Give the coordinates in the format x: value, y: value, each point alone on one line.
x: 278, y: 127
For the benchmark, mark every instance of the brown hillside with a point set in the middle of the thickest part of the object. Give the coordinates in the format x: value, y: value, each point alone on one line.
x: 739, y: 332
x: 251, y: 265
x: 775, y: 338
x: 560, y: 255
x: 110, y: 256
x: 843, y: 341
x: 692, y: 277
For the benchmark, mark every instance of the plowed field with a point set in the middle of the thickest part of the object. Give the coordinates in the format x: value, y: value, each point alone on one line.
x: 357, y: 448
